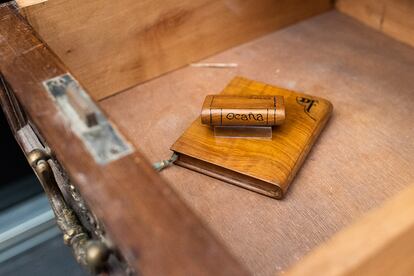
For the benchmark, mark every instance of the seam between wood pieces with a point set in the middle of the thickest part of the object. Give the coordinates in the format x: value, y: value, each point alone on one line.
x: 380, y: 243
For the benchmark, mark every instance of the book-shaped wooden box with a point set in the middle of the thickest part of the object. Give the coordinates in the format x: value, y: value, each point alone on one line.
x: 263, y: 166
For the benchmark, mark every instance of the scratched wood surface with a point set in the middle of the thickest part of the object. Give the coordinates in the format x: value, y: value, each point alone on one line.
x: 392, y: 17
x: 112, y: 45
x: 266, y: 166
x: 149, y: 224
x: 364, y: 155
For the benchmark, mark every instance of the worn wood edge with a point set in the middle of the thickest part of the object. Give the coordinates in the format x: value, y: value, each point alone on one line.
x: 152, y: 227
x: 393, y: 18
x: 381, y: 243
x: 232, y: 177
x: 28, y: 3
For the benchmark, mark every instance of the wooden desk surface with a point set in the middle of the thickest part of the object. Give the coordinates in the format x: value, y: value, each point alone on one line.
x: 365, y: 154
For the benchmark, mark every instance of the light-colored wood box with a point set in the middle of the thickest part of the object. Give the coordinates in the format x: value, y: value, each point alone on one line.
x: 132, y: 58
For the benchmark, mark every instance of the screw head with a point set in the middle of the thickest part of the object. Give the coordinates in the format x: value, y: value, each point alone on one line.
x: 96, y: 254
x: 66, y: 239
x: 36, y: 155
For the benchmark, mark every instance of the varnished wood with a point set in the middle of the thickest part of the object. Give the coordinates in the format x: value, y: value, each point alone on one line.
x: 113, y: 45
x: 347, y: 174
x: 364, y: 156
x: 392, y: 17
x: 264, y: 166
x: 382, y: 243
x: 237, y: 110
x: 153, y: 229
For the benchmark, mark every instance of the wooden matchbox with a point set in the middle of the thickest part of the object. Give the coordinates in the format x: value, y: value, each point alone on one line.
x: 249, y: 110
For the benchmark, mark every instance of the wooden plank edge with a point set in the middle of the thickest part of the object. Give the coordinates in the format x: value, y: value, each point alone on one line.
x: 381, y: 243
x: 28, y: 3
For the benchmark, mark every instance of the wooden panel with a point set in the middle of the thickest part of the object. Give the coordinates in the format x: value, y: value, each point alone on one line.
x: 112, y: 45
x: 364, y: 155
x: 381, y: 243
x: 143, y: 216
x: 393, y: 17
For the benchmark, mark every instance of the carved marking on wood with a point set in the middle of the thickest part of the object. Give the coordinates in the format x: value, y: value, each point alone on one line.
x: 308, y: 104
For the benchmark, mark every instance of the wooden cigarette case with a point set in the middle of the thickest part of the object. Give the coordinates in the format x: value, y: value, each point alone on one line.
x: 95, y: 92
x: 263, y: 166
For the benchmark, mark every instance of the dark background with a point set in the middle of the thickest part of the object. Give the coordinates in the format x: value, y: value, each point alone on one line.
x: 14, y: 168
x: 17, y: 185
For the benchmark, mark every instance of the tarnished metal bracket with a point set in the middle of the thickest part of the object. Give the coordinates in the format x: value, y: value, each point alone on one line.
x: 88, y: 252
x: 100, y: 137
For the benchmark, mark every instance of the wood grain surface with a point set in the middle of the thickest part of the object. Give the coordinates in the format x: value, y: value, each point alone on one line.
x: 112, y: 45
x: 238, y: 110
x: 364, y: 156
x: 381, y: 243
x: 260, y: 165
x: 392, y: 17
x: 153, y: 229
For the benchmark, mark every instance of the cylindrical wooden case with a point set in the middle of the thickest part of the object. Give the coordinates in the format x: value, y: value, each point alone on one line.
x: 253, y: 110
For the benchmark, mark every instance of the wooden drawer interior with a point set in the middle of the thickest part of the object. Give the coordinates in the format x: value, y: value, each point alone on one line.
x: 364, y: 156
x: 346, y: 174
